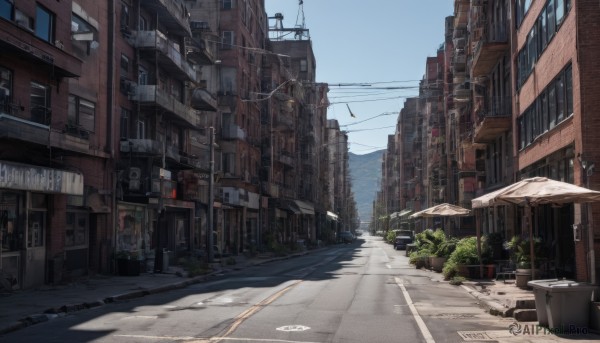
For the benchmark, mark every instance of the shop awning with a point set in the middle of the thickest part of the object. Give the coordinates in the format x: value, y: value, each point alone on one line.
x: 305, y: 208
x: 289, y: 206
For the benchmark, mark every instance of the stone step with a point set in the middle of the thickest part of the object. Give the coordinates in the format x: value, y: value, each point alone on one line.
x: 524, y: 304
x: 525, y: 315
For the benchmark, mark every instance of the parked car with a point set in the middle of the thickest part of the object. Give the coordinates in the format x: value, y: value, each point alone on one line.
x: 345, y: 237
x: 401, y: 241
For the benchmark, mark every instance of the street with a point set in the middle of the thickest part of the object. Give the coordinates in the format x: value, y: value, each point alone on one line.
x: 359, y: 292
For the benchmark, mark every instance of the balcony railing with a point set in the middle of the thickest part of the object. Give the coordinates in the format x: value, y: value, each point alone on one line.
x: 173, y: 14
x: 153, y: 95
x: 497, y: 106
x: 170, y: 58
x: 490, y: 47
x: 144, y: 146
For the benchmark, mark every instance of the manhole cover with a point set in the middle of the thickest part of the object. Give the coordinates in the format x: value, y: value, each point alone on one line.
x: 293, y: 328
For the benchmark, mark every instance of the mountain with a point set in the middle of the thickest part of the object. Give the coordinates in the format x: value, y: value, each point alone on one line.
x: 365, y: 172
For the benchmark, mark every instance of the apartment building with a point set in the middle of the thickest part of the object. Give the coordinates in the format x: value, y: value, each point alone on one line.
x: 55, y: 199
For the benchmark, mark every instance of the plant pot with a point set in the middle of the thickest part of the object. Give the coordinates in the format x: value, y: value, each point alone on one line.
x: 127, y: 267
x: 437, y: 263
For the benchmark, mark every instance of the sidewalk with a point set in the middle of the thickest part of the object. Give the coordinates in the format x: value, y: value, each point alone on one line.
x: 28, y: 307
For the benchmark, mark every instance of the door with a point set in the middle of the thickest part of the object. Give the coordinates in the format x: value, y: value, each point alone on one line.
x: 35, y: 251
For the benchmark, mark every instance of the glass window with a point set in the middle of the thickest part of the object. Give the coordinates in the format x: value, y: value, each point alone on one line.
x: 569, y: 89
x: 560, y: 11
x: 44, y: 24
x: 544, y: 111
x: 543, y: 30
x: 124, y: 129
x: 76, y: 231
x: 40, y: 103
x: 6, y: 9
x: 81, y: 113
x: 124, y: 65
x: 551, y: 19
x: 5, y: 90
x: 552, y: 106
x: 227, y: 4
x: 560, y: 99
x: 124, y: 16
x: 303, y: 65
x: 12, y: 238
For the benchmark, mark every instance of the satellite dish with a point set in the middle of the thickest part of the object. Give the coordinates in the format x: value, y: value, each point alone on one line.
x: 94, y: 45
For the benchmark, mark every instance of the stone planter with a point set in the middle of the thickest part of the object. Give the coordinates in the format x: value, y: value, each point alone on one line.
x: 437, y: 263
x: 523, y: 276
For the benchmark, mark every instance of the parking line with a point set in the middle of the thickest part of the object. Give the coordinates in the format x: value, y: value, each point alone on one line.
x: 420, y: 323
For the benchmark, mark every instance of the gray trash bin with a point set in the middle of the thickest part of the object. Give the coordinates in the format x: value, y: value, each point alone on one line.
x: 562, y: 304
x: 539, y: 291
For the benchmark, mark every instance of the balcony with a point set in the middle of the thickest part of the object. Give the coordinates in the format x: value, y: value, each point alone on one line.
x: 198, y: 51
x: 142, y: 146
x: 461, y: 13
x: 494, y: 120
x: 285, y: 158
x: 172, y: 152
x: 14, y: 41
x: 17, y: 128
x: 151, y: 95
x: 233, y: 131
x: 172, y: 13
x: 204, y: 101
x: 169, y: 58
x: 489, y: 49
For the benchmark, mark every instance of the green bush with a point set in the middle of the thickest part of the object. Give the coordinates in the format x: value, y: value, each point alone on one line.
x: 390, y: 237
x: 457, y: 280
x: 418, y: 258
x: 465, y: 251
x: 450, y: 269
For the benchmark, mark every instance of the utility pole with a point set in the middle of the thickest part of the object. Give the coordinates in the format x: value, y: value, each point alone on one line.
x: 211, y: 195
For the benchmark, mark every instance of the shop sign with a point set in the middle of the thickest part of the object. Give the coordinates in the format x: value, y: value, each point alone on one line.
x: 39, y: 179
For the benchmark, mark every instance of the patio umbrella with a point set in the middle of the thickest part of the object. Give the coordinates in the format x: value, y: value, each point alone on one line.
x: 540, y: 190
x: 442, y: 210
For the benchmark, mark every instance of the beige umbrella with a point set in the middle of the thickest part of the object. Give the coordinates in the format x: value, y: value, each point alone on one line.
x: 442, y: 210
x: 540, y: 190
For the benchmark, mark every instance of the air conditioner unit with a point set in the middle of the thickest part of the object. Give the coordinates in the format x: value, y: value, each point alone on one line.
x: 135, y: 175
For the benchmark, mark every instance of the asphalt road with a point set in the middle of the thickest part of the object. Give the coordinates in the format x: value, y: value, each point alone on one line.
x: 359, y: 292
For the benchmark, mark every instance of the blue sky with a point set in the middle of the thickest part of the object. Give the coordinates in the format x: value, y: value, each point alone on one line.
x: 380, y: 44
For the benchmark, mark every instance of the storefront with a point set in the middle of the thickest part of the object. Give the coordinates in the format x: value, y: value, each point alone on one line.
x: 26, y: 192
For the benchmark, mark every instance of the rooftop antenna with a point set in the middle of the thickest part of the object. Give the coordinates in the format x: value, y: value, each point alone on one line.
x: 279, y: 32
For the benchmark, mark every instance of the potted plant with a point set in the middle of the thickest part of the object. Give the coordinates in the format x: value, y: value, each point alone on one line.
x: 128, y: 263
x: 520, y: 250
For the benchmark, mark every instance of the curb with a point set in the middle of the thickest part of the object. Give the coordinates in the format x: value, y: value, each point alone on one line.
x: 492, y: 306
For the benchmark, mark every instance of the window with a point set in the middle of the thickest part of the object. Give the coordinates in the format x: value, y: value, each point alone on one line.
x: 551, y: 19
x: 124, y: 16
x: 40, y: 103
x: 569, y: 89
x: 142, y: 76
x: 143, y: 24
x: 5, y: 90
x: 82, y: 113
x: 552, y: 106
x: 44, y: 24
x: 124, y: 65
x: 6, y: 9
x: 227, y: 4
x: 227, y: 40
x: 303, y: 65
x: 560, y: 11
x: 140, y: 129
x: 124, y: 129
x: 76, y: 230
x: 560, y: 99
x: 543, y: 34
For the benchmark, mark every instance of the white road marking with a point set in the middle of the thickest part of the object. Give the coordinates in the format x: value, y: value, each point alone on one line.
x: 420, y: 323
x: 293, y: 328
x: 212, y: 339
